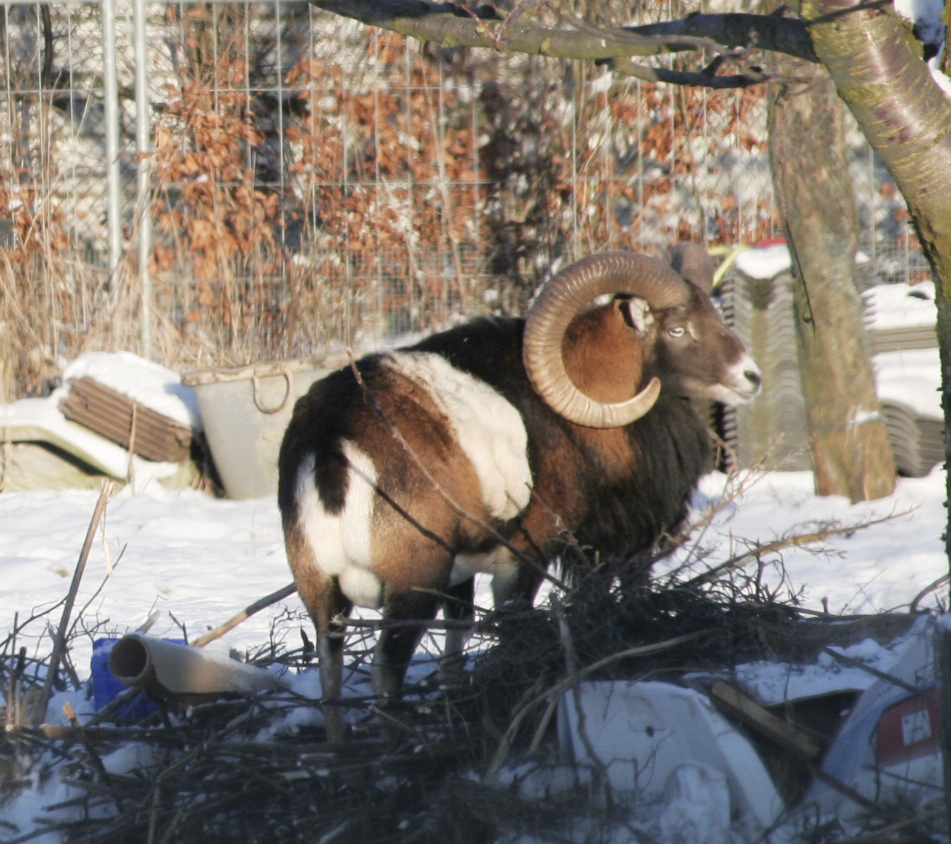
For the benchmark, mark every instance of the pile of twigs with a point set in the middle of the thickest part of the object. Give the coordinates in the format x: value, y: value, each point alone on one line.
x: 248, y: 769
x: 259, y: 768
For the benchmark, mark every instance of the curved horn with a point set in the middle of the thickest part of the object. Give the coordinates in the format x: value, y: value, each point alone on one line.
x: 558, y: 303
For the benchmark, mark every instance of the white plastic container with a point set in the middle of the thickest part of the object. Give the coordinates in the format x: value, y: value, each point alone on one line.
x: 245, y: 411
x: 642, y: 735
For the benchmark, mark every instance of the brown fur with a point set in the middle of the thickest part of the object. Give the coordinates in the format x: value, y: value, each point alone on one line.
x: 602, y: 355
x: 410, y: 491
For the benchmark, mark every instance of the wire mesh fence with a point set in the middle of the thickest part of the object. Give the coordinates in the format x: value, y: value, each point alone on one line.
x: 311, y: 183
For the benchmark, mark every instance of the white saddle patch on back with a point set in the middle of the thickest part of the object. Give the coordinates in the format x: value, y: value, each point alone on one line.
x: 488, y: 428
x: 341, y: 543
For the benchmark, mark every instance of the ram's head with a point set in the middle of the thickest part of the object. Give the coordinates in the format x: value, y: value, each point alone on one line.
x: 660, y: 330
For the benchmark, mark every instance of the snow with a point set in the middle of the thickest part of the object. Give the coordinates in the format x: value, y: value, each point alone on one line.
x: 926, y: 17
x: 40, y: 419
x: 773, y: 683
x: 151, y: 385
x: 204, y: 559
x: 901, y: 305
x: 938, y: 75
x: 182, y: 550
x: 764, y: 261
x: 878, y: 568
x: 910, y: 377
x: 198, y: 560
x: 696, y: 806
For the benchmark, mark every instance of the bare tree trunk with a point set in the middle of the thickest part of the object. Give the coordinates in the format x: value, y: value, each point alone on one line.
x: 850, y: 446
x: 878, y: 71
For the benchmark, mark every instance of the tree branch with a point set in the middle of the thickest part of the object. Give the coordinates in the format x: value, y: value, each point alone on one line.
x: 775, y: 32
x: 452, y: 25
x: 706, y: 78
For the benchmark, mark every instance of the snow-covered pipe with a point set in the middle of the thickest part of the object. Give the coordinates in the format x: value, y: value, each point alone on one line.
x: 166, y: 670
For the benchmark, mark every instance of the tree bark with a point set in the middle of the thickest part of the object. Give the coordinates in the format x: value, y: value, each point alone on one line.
x: 878, y: 71
x: 850, y: 446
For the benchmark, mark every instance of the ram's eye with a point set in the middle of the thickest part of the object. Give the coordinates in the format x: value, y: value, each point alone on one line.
x: 677, y: 331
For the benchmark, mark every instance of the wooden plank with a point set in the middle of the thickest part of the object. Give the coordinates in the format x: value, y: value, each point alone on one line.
x: 757, y: 717
x: 110, y: 414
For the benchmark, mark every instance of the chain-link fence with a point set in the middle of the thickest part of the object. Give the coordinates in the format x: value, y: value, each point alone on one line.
x: 303, y: 182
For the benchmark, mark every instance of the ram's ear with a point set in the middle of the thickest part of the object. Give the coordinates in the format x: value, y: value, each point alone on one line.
x: 694, y: 263
x: 637, y: 314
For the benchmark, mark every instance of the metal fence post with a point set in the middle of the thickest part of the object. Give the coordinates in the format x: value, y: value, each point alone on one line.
x: 143, y: 167
x: 111, y: 98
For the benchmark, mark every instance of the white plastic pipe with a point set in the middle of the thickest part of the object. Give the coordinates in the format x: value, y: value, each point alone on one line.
x: 168, y: 670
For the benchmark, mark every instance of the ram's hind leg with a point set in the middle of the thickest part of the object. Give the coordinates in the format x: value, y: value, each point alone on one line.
x: 328, y: 607
x: 397, y: 642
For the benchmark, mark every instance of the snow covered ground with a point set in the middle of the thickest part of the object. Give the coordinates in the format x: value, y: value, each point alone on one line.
x: 198, y: 560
